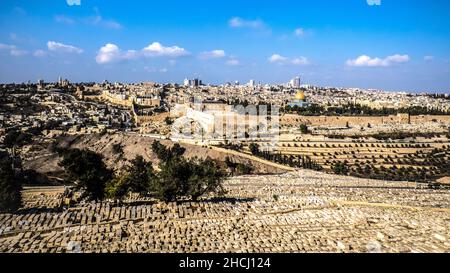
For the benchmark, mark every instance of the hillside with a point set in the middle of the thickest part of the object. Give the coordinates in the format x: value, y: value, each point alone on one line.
x: 118, y: 148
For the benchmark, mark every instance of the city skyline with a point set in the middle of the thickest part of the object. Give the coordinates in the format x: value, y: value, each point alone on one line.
x: 401, y: 46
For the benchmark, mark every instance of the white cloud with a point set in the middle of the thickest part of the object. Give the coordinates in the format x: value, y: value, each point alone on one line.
x: 398, y: 58
x: 373, y: 2
x: 300, y: 61
x: 276, y: 58
x: 232, y: 62
x: 60, y: 47
x: 299, y: 32
x: 99, y: 21
x: 153, y: 70
x: 17, y: 52
x: 428, y: 58
x: 156, y: 49
x: 73, y: 2
x: 13, y: 50
x: 8, y: 47
x: 217, y: 53
x: 367, y: 61
x: 111, y: 24
x: 110, y: 53
x: 237, y: 22
x: 130, y: 54
x: 40, y: 53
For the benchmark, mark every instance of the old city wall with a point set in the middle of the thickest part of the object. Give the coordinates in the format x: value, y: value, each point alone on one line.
x: 290, y: 119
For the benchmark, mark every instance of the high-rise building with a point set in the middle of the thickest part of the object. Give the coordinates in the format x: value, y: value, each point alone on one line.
x: 295, y: 82
x: 40, y: 83
x: 192, y: 83
x: 251, y: 83
x: 63, y: 82
x: 196, y: 82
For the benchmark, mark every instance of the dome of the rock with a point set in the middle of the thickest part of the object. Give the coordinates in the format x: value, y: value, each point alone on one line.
x: 300, y: 95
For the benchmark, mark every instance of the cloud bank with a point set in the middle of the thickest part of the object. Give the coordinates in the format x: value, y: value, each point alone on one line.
x: 278, y: 59
x: 367, y: 61
x: 13, y: 50
x: 62, y: 48
x: 213, y: 54
x: 237, y: 22
x: 110, y: 53
x: 73, y: 2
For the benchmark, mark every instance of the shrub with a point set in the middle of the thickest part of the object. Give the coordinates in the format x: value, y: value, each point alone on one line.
x: 254, y: 148
x: 166, y: 154
x: 88, y: 170
x: 10, y: 186
x: 137, y: 178
x: 168, y: 121
x: 117, y: 188
x: 180, y: 177
x: 117, y: 148
x: 16, y: 138
x: 340, y: 168
x: 304, y: 129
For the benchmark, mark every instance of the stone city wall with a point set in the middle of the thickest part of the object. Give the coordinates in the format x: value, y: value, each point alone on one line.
x: 290, y: 119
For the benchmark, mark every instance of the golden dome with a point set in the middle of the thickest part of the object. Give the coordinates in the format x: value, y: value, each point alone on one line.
x: 300, y: 95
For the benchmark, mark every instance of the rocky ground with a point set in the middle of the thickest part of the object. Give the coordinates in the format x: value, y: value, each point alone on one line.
x: 302, y: 211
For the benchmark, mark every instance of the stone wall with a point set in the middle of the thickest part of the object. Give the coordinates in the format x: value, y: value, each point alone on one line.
x: 290, y: 119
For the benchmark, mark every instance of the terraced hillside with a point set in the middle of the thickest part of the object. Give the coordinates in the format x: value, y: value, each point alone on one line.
x: 413, y: 160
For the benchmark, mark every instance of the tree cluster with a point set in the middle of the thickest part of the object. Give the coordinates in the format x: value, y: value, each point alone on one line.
x: 359, y: 110
x: 295, y: 161
x: 87, y: 169
x: 10, y: 185
x: 183, y: 178
x: 178, y: 178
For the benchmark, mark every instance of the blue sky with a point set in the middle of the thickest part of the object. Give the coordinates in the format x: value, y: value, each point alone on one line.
x: 398, y: 45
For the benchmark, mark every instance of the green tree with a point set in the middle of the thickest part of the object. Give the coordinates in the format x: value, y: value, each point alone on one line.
x: 205, y: 177
x: 117, y: 148
x: 254, y: 148
x: 171, y: 182
x: 244, y: 169
x: 141, y: 174
x: 180, y: 177
x: 88, y: 170
x: 10, y: 186
x: 168, y: 121
x: 118, y: 187
x: 231, y: 165
x: 137, y: 178
x: 340, y: 168
x: 304, y: 129
x: 15, y: 138
x: 166, y: 154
